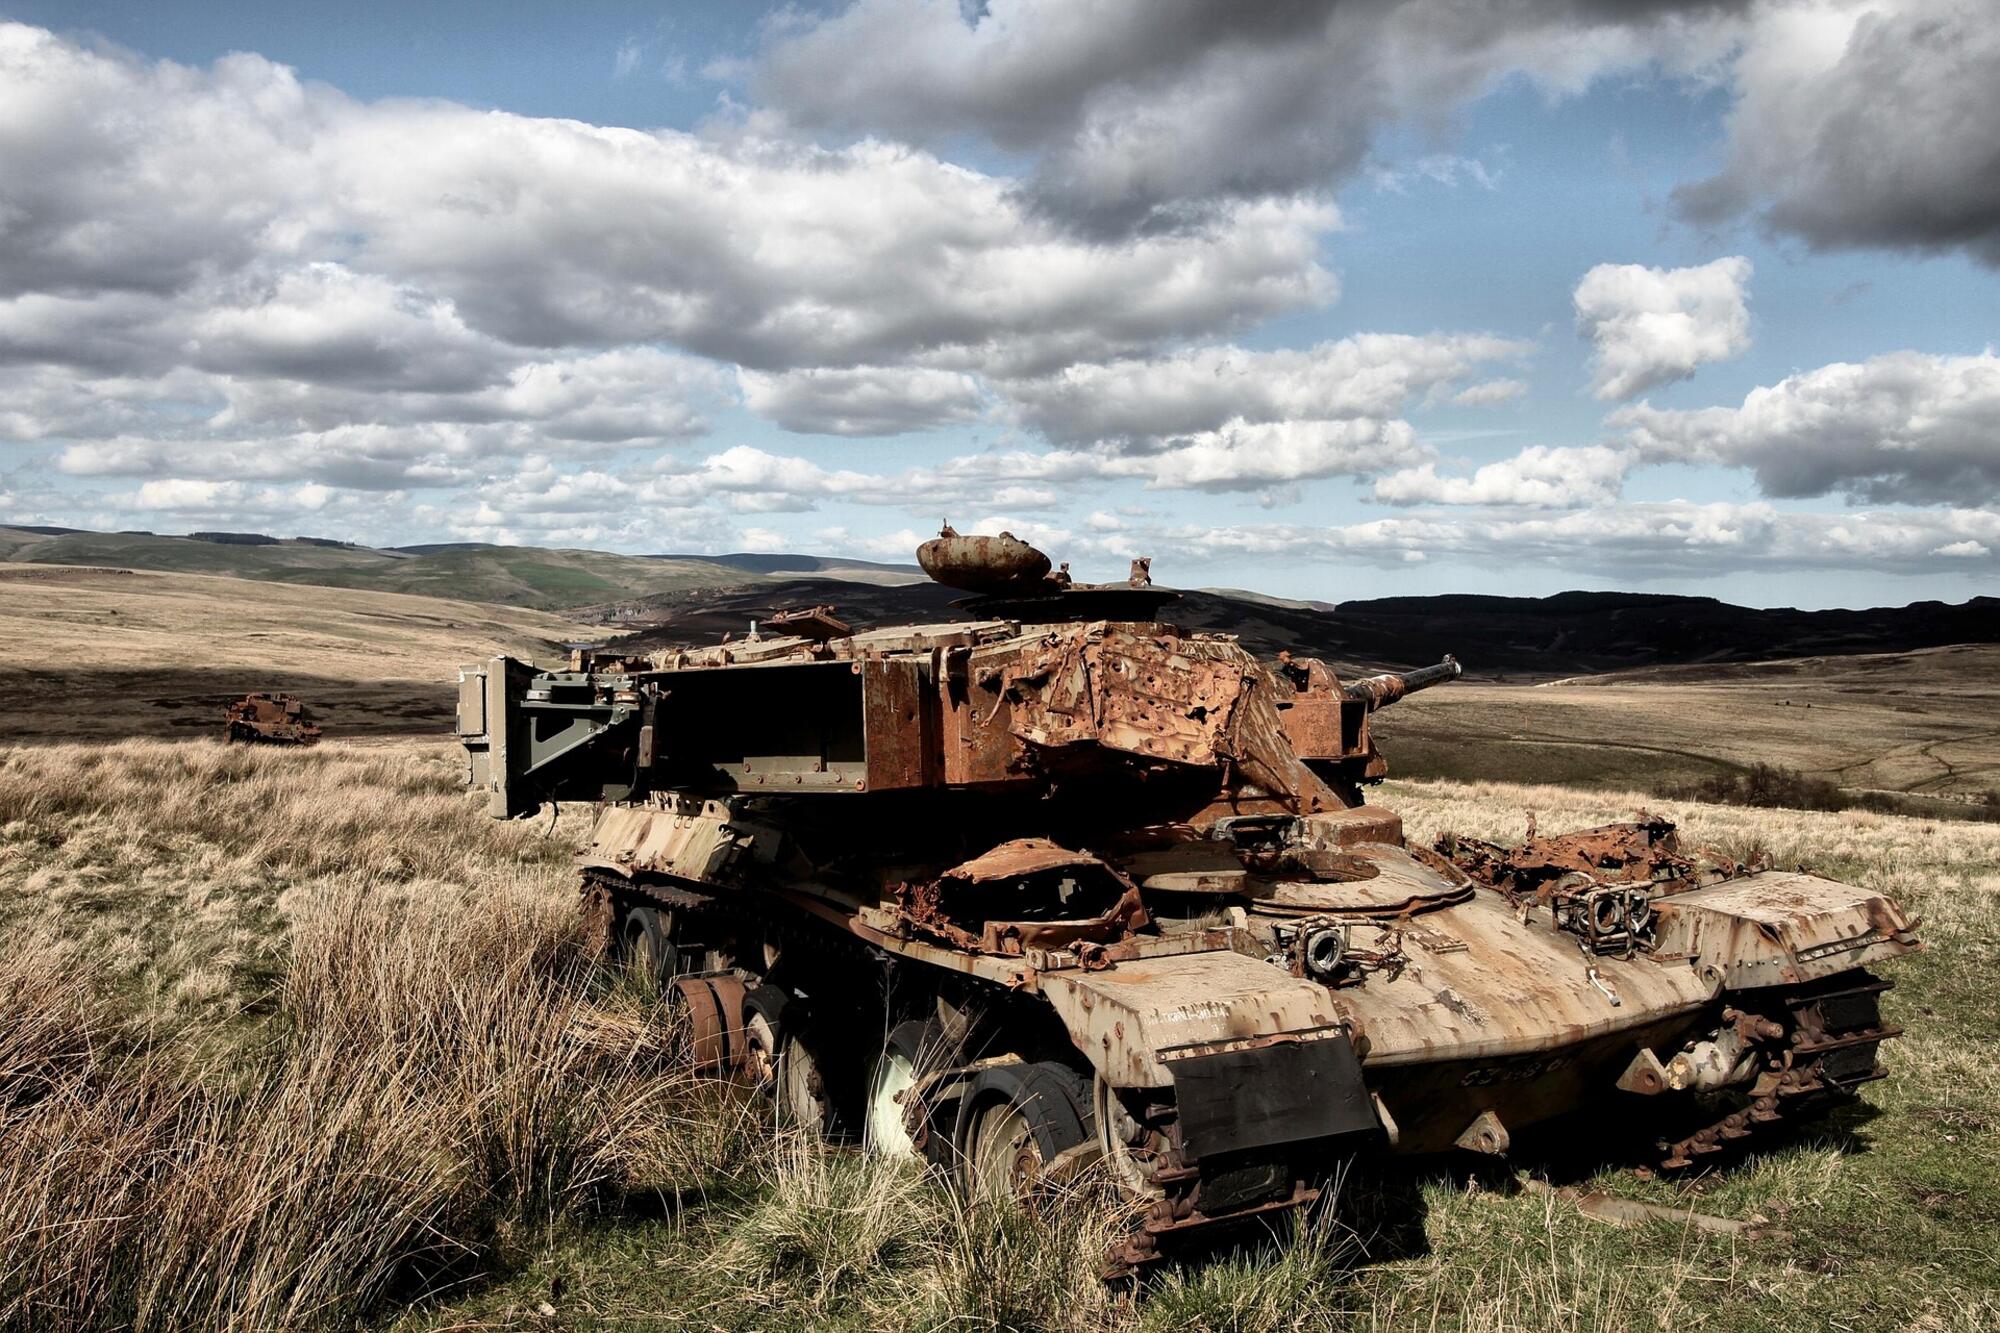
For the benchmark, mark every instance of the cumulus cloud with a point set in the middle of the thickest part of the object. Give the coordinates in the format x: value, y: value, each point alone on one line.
x: 247, y: 299
x: 1653, y: 326
x: 1537, y: 477
x: 1138, y: 107
x: 346, y: 262
x: 744, y: 480
x: 864, y: 400
x: 1237, y: 456
x: 1490, y: 393
x: 193, y: 425
x: 1902, y: 427
x: 325, y: 323
x: 1866, y: 123
x: 1642, y: 541
x: 777, y: 256
x: 1143, y: 401
x: 364, y: 457
x: 123, y: 175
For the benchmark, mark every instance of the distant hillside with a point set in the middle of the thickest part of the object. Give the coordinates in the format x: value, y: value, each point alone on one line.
x: 861, y: 571
x: 536, y: 577
x: 1567, y: 634
x: 1576, y: 632
x: 99, y: 654
x: 698, y: 598
x: 525, y: 576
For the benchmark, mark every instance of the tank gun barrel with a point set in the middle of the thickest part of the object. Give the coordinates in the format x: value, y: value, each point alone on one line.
x: 1383, y: 690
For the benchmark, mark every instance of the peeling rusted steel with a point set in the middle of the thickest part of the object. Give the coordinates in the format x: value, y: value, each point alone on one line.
x: 1644, y: 851
x: 1023, y: 856
x: 815, y: 623
x: 962, y: 906
x: 269, y: 719
x: 982, y: 564
x: 714, y: 1005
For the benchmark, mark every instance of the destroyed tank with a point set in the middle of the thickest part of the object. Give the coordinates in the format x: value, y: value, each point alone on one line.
x: 269, y: 719
x: 1065, y: 885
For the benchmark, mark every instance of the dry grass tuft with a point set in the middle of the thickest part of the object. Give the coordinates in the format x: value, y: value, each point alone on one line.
x: 430, y: 1084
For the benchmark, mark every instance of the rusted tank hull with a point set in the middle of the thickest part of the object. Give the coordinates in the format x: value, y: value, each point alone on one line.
x: 269, y: 719
x: 1432, y: 1106
x: 1115, y: 889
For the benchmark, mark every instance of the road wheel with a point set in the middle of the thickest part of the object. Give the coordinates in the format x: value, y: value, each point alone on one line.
x: 646, y: 945
x: 812, y: 1094
x: 1014, y: 1121
x: 764, y: 1036
x: 910, y: 1048
x: 1131, y: 1147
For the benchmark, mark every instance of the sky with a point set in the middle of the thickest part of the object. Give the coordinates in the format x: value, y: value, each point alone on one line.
x: 1325, y: 298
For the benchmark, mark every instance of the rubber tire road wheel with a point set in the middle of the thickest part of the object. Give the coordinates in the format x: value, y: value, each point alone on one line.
x: 1013, y: 1121
x: 646, y: 945
x: 912, y: 1047
x: 1112, y: 1118
x: 810, y: 1095
x: 764, y: 1036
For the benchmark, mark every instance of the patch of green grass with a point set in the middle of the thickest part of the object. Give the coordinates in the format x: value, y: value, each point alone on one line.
x: 566, y: 583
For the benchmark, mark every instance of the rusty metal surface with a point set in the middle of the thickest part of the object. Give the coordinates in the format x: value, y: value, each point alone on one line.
x: 1126, y: 1017
x: 714, y: 1005
x: 1381, y: 691
x: 815, y: 624
x: 1644, y: 851
x: 681, y: 839
x: 982, y: 564
x: 269, y: 719
x: 1022, y: 856
x: 1778, y: 928
x: 1028, y: 894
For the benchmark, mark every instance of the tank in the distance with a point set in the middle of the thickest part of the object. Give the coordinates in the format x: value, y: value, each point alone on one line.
x: 269, y: 719
x: 1067, y: 886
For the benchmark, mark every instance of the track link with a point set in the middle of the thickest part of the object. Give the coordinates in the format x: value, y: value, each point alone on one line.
x: 1833, y: 1030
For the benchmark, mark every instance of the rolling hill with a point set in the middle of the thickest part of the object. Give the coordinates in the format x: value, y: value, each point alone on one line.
x: 1496, y: 638
x: 103, y: 654
x: 699, y: 598
x: 526, y: 576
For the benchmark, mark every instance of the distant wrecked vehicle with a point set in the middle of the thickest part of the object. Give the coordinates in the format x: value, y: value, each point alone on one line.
x: 1065, y: 884
x: 269, y: 719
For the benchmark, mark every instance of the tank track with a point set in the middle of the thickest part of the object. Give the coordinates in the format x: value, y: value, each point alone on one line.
x: 1833, y: 1030
x: 601, y: 892
x: 1176, y: 1218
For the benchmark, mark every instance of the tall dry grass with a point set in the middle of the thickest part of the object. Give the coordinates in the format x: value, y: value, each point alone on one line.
x: 179, y: 867
x: 435, y: 1078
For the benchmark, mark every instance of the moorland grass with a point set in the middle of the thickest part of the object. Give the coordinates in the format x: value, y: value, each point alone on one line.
x: 303, y: 1039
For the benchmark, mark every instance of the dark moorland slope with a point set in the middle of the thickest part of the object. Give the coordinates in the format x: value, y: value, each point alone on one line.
x: 1567, y: 634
